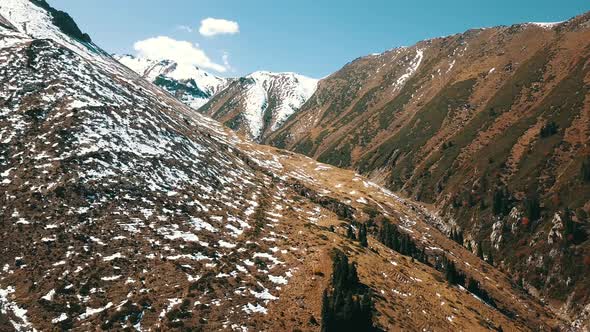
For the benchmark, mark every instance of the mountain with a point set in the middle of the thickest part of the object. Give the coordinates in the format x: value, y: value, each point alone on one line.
x: 124, y: 209
x: 488, y: 128
x: 255, y: 105
x: 258, y: 104
x: 192, y: 85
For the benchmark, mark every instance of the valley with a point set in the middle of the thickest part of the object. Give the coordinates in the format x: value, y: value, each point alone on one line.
x: 136, y: 195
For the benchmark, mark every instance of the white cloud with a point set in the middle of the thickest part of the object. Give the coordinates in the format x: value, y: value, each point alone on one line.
x: 183, y: 52
x: 185, y: 28
x: 225, y: 59
x: 214, y: 26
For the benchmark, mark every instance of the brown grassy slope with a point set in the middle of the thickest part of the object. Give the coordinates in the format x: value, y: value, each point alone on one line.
x: 141, y: 212
x: 156, y: 274
x: 406, y: 291
x: 464, y: 123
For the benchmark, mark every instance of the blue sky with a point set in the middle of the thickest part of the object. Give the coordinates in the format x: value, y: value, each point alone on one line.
x: 314, y: 38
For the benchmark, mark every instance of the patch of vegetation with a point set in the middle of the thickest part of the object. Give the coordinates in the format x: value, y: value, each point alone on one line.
x: 129, y: 312
x: 280, y: 140
x: 532, y: 207
x: 259, y: 217
x: 234, y: 123
x: 178, y: 88
x: 456, y: 277
x: 362, y: 235
x: 271, y: 105
x: 347, y: 305
x: 305, y: 146
x: 337, y: 156
x: 585, y: 170
x: 371, y: 210
x: 392, y: 238
x: 309, y: 146
x: 37, y: 114
x: 531, y: 71
x: 350, y: 233
x: 396, y: 105
x: 321, y: 136
x: 457, y: 236
x: 176, y: 315
x: 573, y: 232
x: 343, y: 97
x: 559, y: 107
x: 343, y: 211
x: 359, y: 107
x: 492, y: 157
x: 549, y: 129
x: 502, y: 202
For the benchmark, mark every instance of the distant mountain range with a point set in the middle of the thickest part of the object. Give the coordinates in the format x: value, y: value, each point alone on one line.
x: 190, y: 84
x: 255, y: 105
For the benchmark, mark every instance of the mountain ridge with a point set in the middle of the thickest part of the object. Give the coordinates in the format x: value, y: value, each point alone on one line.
x: 465, y: 130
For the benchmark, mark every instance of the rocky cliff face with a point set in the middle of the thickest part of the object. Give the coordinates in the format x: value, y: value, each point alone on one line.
x: 483, y: 125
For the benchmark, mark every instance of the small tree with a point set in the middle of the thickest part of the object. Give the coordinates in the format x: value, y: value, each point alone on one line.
x: 480, y: 251
x: 451, y: 272
x: 363, y: 235
x: 347, y: 305
x: 473, y: 286
x: 350, y: 233
x: 573, y: 233
x: 532, y: 208
x: 549, y: 129
x: 586, y: 170
x: 326, y: 312
x: 457, y: 236
x: 453, y: 276
x: 501, y: 202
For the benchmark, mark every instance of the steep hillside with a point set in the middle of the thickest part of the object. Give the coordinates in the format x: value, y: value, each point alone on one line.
x: 490, y: 126
x: 192, y: 85
x: 124, y: 209
x: 259, y: 104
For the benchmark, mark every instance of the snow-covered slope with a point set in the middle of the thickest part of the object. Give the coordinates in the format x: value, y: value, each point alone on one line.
x: 259, y: 103
x: 190, y: 84
x: 34, y: 20
x: 287, y: 91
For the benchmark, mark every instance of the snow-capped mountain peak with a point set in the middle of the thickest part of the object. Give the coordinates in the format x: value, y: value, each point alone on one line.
x: 261, y: 102
x: 546, y: 25
x: 187, y: 82
x: 151, y: 69
x: 289, y: 91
